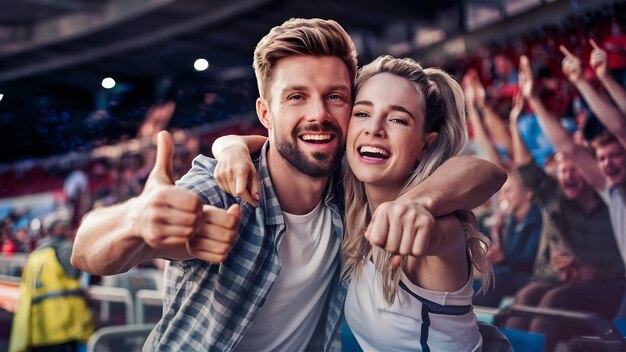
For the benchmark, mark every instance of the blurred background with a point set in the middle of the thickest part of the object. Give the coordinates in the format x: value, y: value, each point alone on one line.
x: 86, y: 84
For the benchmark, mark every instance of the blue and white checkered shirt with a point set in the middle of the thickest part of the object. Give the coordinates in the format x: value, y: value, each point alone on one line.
x: 209, y: 307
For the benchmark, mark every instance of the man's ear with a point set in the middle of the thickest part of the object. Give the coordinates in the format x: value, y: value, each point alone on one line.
x: 263, y: 112
x: 428, y: 139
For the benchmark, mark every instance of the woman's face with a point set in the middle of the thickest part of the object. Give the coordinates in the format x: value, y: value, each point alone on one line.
x: 386, y: 133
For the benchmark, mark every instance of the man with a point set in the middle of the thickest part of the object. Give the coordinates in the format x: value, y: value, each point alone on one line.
x: 52, y: 313
x: 607, y: 173
x: 272, y: 284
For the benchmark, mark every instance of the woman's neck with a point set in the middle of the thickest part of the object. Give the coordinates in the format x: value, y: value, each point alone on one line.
x: 377, y: 195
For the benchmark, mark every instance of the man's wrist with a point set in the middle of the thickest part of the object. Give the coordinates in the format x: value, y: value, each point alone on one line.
x: 428, y: 203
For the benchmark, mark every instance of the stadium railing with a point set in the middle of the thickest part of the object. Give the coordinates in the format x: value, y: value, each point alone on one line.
x: 119, y: 338
x: 144, y: 300
x: 107, y: 295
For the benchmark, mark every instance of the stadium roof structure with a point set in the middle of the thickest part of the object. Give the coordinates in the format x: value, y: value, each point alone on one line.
x: 77, y: 42
x: 61, y: 50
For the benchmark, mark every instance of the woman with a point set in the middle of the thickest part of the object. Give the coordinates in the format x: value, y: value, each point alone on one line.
x: 406, y: 121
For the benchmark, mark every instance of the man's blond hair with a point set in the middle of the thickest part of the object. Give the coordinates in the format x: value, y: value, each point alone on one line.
x: 297, y: 36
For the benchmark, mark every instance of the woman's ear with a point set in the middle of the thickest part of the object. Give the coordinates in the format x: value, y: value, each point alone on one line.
x: 263, y: 112
x: 428, y: 139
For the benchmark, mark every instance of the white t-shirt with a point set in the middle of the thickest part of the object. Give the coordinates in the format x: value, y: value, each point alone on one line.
x: 309, y: 254
x: 614, y: 199
x: 444, y: 321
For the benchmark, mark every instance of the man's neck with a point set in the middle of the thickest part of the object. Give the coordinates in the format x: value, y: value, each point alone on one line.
x: 297, y: 193
x: 587, y: 199
x: 521, y: 212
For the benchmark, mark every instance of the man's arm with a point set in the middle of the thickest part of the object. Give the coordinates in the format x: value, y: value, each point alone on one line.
x: 462, y: 182
x: 493, y: 122
x: 556, y: 132
x: 610, y: 117
x: 520, y: 154
x: 615, y: 90
x: 164, y: 221
x: 235, y: 173
x: 478, y: 126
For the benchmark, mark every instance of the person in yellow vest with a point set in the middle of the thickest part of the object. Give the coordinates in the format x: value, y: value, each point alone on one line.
x: 52, y: 313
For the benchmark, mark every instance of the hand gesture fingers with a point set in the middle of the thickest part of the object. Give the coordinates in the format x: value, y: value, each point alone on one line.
x: 163, y: 215
x: 526, y: 81
x: 216, y: 235
x: 598, y: 59
x: 402, y: 228
x: 162, y: 171
x: 236, y: 175
x: 570, y: 65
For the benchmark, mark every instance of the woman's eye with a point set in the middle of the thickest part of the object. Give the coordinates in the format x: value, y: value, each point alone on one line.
x: 398, y: 121
x: 359, y: 114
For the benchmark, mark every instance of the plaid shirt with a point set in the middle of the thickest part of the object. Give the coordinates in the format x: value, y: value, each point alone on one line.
x: 209, y: 307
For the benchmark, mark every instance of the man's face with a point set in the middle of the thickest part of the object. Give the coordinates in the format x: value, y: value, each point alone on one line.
x: 611, y: 158
x: 309, y: 110
x: 570, y: 181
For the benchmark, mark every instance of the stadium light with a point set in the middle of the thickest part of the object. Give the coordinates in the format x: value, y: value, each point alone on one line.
x: 201, y: 65
x: 108, y: 83
x: 1, y: 96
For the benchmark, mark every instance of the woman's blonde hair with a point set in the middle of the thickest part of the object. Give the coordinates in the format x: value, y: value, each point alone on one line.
x: 298, y: 36
x: 444, y: 112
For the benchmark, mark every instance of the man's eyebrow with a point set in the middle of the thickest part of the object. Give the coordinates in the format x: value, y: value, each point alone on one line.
x: 339, y: 87
x: 296, y: 87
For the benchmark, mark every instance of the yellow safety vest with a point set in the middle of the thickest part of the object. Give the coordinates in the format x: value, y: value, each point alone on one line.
x: 52, y: 308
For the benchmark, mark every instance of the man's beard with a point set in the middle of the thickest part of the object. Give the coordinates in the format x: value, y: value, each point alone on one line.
x: 324, y: 163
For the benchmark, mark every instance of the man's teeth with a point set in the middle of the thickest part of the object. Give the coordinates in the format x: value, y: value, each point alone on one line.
x: 374, y: 150
x: 316, y: 137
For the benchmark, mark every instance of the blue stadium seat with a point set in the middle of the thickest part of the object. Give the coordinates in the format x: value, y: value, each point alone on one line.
x: 524, y: 341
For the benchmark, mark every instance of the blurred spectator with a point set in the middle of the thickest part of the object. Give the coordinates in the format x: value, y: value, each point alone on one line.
x: 579, y: 266
x: 515, y: 242
x: 9, y: 245
x: 504, y: 84
x: 52, y: 312
x: 76, y: 188
x: 516, y: 231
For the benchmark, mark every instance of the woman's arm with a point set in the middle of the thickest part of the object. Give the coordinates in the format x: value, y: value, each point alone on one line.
x: 444, y: 264
x: 235, y: 173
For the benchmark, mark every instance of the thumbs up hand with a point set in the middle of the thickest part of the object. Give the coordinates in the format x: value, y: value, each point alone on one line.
x: 165, y: 215
x: 216, y: 235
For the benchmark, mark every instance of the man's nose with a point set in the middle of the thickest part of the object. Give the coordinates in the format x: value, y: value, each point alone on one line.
x: 317, y: 110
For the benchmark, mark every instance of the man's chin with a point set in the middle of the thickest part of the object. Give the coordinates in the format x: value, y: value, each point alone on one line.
x: 617, y: 182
